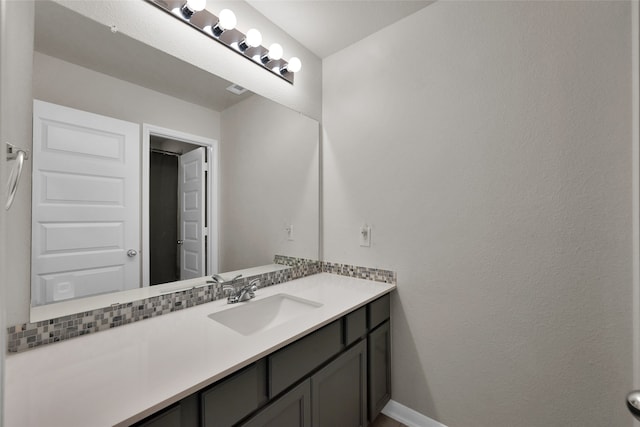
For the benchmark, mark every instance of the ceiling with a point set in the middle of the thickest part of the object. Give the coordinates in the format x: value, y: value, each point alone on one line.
x: 327, y: 26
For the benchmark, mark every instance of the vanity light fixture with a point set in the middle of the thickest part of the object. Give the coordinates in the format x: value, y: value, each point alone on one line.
x: 252, y: 39
x: 273, y: 54
x: 222, y: 28
x: 192, y: 6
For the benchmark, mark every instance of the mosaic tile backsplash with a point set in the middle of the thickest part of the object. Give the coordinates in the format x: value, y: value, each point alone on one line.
x: 377, y: 275
x: 31, y: 335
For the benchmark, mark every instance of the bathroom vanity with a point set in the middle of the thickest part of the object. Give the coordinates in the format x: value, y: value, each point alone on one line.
x: 325, y: 364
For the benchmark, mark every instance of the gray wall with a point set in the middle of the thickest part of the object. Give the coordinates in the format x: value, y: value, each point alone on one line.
x: 489, y: 146
x: 17, y: 102
x: 269, y: 179
x: 16, y: 37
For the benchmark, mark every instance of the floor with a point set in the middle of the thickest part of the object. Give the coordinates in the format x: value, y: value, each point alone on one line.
x: 384, y: 421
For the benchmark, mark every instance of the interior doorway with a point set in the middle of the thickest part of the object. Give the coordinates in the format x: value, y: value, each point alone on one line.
x: 179, y: 214
x: 165, y: 207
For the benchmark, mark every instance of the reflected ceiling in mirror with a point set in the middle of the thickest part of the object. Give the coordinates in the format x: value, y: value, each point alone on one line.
x: 66, y: 35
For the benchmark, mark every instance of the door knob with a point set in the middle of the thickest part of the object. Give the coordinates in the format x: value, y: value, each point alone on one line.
x: 633, y: 403
x: 180, y: 242
x: 131, y: 253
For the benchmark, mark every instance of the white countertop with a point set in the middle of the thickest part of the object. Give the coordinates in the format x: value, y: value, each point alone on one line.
x: 120, y: 376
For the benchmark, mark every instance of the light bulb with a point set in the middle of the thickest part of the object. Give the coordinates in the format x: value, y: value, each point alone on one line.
x: 227, y: 19
x: 293, y: 66
x: 196, y: 5
x: 191, y: 7
x: 274, y: 53
x: 252, y: 39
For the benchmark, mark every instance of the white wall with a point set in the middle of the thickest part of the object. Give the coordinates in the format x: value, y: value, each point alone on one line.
x: 269, y: 180
x: 489, y: 146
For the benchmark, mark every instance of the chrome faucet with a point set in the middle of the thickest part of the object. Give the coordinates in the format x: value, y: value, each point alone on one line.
x: 245, y: 293
x: 219, y: 279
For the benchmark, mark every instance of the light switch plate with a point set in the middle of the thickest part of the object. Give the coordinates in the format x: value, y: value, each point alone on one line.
x: 289, y: 229
x: 365, y: 236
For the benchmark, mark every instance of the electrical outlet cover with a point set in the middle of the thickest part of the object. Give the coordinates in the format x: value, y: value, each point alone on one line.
x: 365, y: 236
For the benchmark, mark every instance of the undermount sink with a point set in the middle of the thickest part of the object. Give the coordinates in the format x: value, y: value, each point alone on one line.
x: 259, y: 315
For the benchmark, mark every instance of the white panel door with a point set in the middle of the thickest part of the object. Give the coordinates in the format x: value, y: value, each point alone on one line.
x: 86, y: 208
x: 191, y: 211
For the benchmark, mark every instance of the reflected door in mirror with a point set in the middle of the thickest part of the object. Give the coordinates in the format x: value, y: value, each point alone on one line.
x: 85, y: 222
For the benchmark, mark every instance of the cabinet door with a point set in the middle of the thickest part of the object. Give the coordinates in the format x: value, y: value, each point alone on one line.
x: 379, y: 367
x: 291, y: 410
x: 338, y: 391
x: 235, y: 397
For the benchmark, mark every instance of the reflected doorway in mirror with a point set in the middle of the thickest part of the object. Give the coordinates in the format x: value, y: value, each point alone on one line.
x: 179, y: 209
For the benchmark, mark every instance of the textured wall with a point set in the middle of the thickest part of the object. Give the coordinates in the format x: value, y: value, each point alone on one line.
x: 489, y: 146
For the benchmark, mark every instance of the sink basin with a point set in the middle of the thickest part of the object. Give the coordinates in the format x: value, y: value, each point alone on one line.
x: 253, y: 316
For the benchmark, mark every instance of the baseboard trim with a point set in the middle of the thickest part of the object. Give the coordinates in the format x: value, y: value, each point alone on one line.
x: 408, y: 416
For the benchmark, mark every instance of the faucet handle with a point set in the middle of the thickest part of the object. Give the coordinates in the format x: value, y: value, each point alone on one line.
x: 229, y: 288
x: 253, y: 285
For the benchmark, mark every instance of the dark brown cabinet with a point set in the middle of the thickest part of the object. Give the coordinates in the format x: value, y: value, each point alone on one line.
x: 183, y: 414
x: 235, y: 397
x: 339, y: 375
x: 291, y: 410
x: 298, y: 359
x: 379, y: 367
x: 339, y: 390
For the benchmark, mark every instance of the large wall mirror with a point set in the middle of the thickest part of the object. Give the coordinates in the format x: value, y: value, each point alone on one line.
x: 148, y: 170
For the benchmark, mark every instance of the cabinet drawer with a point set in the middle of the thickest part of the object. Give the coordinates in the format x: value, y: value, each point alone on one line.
x: 234, y: 398
x: 288, y: 365
x: 355, y: 325
x: 379, y: 311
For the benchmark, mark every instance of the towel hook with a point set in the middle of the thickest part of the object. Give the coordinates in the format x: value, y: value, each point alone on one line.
x: 19, y: 155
